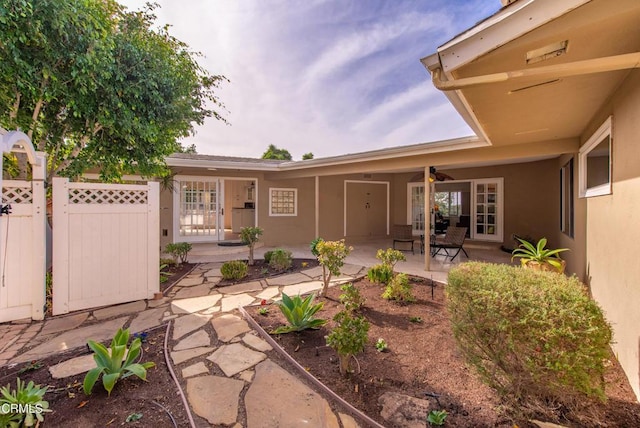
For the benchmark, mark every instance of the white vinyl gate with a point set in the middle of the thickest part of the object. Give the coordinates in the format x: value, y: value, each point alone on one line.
x: 106, y: 244
x: 22, y: 234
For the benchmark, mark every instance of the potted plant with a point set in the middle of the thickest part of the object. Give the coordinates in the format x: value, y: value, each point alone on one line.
x: 538, y: 257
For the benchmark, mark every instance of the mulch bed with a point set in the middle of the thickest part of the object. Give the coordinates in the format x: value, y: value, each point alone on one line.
x: 174, y: 273
x: 423, y: 362
x: 155, y: 401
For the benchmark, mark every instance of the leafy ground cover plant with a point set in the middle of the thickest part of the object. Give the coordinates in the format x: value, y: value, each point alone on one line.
x: 249, y: 236
x: 437, y: 417
x: 179, y: 250
x: 381, y: 345
x: 24, y: 406
x: 380, y: 274
x: 351, y: 298
x: 331, y: 256
x: 112, y: 364
x: 348, y: 338
x: 399, y: 289
x: 533, y: 336
x: 234, y: 270
x: 299, y: 314
x: 280, y: 259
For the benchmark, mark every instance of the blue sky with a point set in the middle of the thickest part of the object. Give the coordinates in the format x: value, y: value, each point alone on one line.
x: 329, y: 77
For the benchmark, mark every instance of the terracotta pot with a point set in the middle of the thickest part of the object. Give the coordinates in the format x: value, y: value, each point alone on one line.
x: 544, y: 266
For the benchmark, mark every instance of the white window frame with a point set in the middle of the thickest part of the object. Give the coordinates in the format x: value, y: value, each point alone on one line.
x: 604, y: 189
x: 295, y: 201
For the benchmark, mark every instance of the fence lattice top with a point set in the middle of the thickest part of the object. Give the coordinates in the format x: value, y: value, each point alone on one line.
x: 17, y: 195
x: 102, y: 196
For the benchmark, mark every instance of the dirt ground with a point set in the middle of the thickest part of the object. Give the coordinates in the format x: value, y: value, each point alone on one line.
x: 422, y: 361
x: 156, y: 401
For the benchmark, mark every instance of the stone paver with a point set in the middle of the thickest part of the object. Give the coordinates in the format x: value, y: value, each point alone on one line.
x: 197, y: 340
x: 195, y: 370
x: 271, y: 387
x: 290, y: 279
x: 180, y: 357
x: 234, y: 358
x: 314, y: 272
x: 194, y: 304
x: 187, y: 323
x: 190, y: 281
x: 72, y: 367
x: 230, y: 303
x: 228, y: 326
x: 348, y: 421
x: 73, y: 339
x: 195, y: 291
x: 268, y: 293
x: 243, y: 287
x: 115, y: 311
x: 256, y: 343
x: 56, y: 325
x: 146, y: 320
x: 349, y: 269
x: 215, y: 398
x: 213, y: 272
x: 302, y: 288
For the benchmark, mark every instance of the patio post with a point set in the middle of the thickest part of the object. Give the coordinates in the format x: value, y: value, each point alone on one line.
x: 427, y: 219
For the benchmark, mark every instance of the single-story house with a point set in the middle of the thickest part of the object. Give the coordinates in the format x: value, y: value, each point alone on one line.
x: 552, y: 90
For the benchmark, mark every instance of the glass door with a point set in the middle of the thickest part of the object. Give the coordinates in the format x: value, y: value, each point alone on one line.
x: 201, y: 210
x: 487, y: 218
x: 415, y: 211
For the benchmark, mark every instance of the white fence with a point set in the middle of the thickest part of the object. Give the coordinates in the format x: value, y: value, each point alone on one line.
x: 105, y: 244
x: 22, y: 251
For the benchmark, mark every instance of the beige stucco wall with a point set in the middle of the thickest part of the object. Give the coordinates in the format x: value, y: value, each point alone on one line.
x: 613, y: 229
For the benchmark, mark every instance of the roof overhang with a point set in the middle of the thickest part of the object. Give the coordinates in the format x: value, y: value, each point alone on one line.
x: 509, y: 100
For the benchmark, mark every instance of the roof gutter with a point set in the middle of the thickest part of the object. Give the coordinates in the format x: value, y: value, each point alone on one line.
x: 577, y: 68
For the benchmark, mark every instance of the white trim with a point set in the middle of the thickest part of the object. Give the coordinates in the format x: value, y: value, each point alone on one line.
x: 601, y: 133
x: 295, y: 201
x: 345, y: 199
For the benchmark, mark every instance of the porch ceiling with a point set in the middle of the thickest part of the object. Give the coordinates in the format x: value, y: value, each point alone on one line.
x: 528, y: 110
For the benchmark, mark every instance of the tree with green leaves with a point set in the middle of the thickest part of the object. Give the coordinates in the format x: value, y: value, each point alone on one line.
x: 97, y: 86
x: 275, y: 153
x: 307, y: 156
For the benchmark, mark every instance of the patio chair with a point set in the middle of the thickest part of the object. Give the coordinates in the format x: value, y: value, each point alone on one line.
x: 453, y: 241
x: 403, y: 233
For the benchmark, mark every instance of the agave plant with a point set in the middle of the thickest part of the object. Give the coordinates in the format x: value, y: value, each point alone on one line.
x: 299, y: 313
x: 112, y: 364
x: 527, y: 252
x: 24, y: 406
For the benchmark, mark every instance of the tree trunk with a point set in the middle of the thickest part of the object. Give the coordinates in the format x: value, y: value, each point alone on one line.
x: 326, y: 278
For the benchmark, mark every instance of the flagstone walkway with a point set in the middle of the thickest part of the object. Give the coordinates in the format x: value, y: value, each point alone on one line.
x: 220, y: 358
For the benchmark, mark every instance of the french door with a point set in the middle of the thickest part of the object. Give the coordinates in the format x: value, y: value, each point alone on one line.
x: 199, y: 209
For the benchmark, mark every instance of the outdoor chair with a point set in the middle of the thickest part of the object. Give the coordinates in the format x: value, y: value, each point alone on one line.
x: 453, y: 241
x: 403, y: 233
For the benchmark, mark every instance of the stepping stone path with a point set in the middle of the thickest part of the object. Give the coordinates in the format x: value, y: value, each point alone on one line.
x: 222, y: 361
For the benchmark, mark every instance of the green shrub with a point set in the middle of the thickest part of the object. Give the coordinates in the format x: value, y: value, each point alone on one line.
x: 167, y: 261
x: 23, y: 406
x: 390, y: 257
x: 299, y: 313
x: 179, y: 251
x: 351, y: 298
x: 331, y: 256
x: 399, y: 289
x: 348, y: 338
x: 531, y: 335
x: 280, y: 259
x: 267, y: 256
x: 112, y: 363
x: 234, y: 270
x: 313, y: 246
x: 380, y: 274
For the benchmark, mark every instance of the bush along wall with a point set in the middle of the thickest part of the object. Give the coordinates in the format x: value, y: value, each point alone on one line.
x: 532, y: 336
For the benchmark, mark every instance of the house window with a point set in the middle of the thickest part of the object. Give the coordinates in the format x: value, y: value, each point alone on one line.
x: 449, y: 203
x: 283, y: 202
x: 595, y: 163
x: 566, y: 199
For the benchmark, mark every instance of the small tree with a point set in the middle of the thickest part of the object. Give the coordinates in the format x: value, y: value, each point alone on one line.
x: 249, y: 236
x: 331, y: 255
x: 275, y: 153
x: 307, y: 156
x: 390, y: 257
x: 348, y: 338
